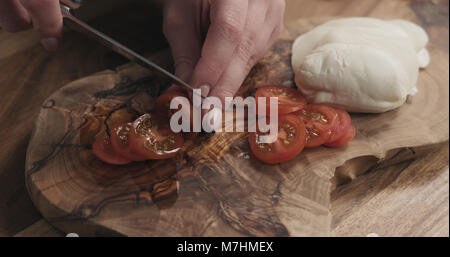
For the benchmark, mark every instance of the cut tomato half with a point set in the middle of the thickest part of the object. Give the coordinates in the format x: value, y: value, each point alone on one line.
x: 152, y: 138
x: 121, y: 144
x: 190, y: 135
x: 163, y: 107
x: 163, y: 103
x: 320, y: 121
x: 343, y: 124
x: 289, y: 100
x: 103, y: 150
x: 290, y: 142
x: 351, y: 133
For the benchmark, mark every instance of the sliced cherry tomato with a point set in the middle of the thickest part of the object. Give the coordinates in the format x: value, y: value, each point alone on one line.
x: 289, y: 100
x: 121, y: 143
x: 343, y: 124
x: 190, y: 135
x: 320, y: 121
x: 163, y: 103
x: 103, y: 150
x: 345, y: 139
x: 163, y: 106
x: 291, y: 141
x: 152, y: 138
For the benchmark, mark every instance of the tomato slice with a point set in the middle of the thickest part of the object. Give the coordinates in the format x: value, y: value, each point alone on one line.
x: 103, y: 150
x: 121, y: 144
x: 289, y: 100
x: 351, y: 133
x: 152, y: 138
x: 163, y: 106
x: 320, y: 121
x: 291, y: 141
x: 343, y: 124
x: 163, y: 103
x: 190, y: 135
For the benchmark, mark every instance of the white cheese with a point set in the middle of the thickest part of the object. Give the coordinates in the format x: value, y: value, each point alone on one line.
x: 360, y: 64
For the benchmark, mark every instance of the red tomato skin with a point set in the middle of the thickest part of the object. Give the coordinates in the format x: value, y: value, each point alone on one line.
x: 281, y: 153
x: 163, y: 102
x: 137, y: 142
x: 285, y: 105
x: 324, y: 129
x: 190, y: 136
x: 119, y: 148
x: 343, y: 124
x: 103, y: 150
x: 351, y: 133
x: 163, y: 107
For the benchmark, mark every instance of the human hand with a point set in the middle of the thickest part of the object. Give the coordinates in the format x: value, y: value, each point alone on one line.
x: 44, y: 15
x: 215, y: 43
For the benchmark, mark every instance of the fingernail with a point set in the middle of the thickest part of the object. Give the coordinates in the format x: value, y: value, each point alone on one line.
x: 50, y: 43
x: 205, y: 90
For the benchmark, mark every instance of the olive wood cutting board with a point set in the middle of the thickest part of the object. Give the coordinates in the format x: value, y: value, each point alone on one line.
x: 216, y: 187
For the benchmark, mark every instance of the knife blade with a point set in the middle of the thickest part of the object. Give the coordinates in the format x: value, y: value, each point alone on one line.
x: 78, y: 25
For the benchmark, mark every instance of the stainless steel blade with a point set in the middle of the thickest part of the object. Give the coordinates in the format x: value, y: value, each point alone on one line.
x: 80, y: 26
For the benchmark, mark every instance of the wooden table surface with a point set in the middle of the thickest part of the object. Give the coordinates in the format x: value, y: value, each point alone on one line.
x: 408, y: 199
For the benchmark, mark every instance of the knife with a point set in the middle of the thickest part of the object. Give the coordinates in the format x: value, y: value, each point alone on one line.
x: 76, y: 24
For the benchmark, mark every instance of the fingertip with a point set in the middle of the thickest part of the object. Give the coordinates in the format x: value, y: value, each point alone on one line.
x: 51, y: 29
x: 50, y: 44
x: 205, y: 89
x: 46, y: 16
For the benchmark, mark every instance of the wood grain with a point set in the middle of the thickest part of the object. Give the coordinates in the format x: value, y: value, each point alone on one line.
x: 233, y: 193
x: 413, y: 196
x: 40, y: 229
x: 23, y: 60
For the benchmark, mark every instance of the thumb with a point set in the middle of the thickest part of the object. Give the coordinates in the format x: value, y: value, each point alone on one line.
x: 47, y: 20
